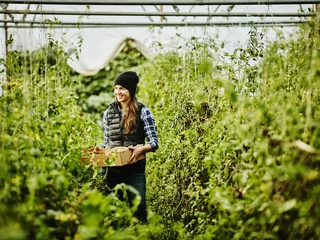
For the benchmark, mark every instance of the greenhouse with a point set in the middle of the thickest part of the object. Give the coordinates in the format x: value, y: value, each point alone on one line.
x: 135, y: 119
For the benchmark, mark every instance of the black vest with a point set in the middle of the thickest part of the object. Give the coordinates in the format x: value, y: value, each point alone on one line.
x: 117, y: 137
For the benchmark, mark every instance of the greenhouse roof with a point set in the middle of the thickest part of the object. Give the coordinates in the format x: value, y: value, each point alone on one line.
x: 133, y: 13
x: 99, y: 26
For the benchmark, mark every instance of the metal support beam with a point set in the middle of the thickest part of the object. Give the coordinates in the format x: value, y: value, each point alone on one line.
x: 275, y: 24
x: 161, y: 2
x: 158, y: 24
x: 167, y: 14
x: 143, y: 10
x: 5, y: 27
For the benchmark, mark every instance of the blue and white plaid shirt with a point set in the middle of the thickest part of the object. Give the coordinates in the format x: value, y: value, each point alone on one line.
x: 149, y: 128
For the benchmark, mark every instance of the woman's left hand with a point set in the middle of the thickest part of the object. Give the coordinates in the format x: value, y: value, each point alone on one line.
x: 136, y: 152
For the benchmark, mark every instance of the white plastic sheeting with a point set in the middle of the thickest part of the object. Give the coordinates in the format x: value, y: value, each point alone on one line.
x: 96, y: 57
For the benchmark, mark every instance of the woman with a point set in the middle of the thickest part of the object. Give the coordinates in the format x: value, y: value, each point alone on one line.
x: 128, y: 123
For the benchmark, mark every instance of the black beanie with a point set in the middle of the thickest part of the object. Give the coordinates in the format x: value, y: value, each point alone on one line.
x: 128, y: 80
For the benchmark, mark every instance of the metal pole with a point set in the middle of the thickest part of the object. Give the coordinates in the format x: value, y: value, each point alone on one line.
x: 189, y: 12
x: 137, y: 24
x: 143, y: 10
x: 161, y: 11
x: 161, y: 2
x: 6, y: 51
x: 25, y: 14
x: 168, y: 14
x: 35, y: 15
x: 180, y: 25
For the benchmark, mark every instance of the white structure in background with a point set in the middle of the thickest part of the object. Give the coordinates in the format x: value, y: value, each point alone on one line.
x: 93, y: 58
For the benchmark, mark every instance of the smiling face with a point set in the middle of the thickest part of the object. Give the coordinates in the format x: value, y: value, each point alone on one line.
x: 122, y: 95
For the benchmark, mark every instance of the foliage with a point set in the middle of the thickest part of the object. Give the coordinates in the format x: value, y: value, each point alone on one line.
x: 237, y: 161
x: 239, y: 145
x: 45, y: 192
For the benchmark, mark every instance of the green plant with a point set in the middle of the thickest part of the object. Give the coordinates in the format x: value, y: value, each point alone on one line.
x: 238, y: 157
x: 237, y: 161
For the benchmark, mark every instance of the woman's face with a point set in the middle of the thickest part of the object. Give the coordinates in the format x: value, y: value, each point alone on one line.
x: 122, y: 94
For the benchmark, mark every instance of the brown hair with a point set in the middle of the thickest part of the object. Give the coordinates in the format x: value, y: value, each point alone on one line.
x: 129, y: 120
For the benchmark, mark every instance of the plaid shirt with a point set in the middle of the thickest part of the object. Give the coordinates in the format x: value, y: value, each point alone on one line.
x: 149, y: 127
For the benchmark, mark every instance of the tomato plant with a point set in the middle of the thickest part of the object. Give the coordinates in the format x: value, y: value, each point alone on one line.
x: 239, y: 144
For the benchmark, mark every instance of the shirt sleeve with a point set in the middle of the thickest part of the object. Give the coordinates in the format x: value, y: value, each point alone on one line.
x: 106, y: 128
x: 149, y: 128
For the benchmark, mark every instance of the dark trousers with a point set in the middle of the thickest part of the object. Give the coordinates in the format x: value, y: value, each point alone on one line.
x: 137, y: 181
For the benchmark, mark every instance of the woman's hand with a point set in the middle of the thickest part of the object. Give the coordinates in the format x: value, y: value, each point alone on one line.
x: 137, y: 151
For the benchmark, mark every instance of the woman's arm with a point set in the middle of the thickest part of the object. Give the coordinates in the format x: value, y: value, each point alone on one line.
x: 149, y: 128
x: 150, y: 132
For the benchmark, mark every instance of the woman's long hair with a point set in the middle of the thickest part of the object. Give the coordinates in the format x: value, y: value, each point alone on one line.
x: 129, y: 120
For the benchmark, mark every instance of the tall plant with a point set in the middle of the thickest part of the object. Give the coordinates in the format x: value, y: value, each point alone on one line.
x: 46, y: 193
x: 234, y: 165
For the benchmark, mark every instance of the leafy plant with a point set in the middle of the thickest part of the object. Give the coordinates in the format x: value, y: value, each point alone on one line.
x: 239, y: 145
x: 237, y: 161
